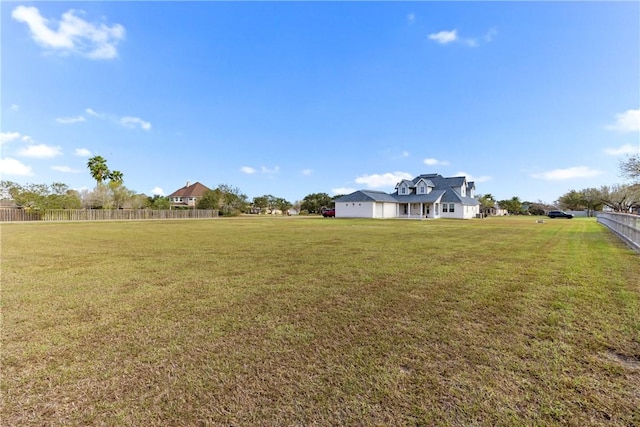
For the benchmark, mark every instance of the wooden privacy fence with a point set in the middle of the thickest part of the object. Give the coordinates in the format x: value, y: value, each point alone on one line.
x: 7, y: 215
x: 103, y: 214
x: 626, y: 226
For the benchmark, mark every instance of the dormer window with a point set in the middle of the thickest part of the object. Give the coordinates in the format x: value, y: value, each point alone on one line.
x: 403, y: 190
x: 421, y: 189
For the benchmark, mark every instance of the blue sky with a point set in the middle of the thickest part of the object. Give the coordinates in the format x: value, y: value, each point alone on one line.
x: 528, y: 99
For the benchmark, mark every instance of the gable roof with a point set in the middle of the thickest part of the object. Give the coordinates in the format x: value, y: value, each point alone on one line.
x: 427, y: 181
x: 367, y: 196
x: 442, y: 182
x: 409, y: 183
x: 431, y: 197
x: 193, y: 190
x: 451, y: 196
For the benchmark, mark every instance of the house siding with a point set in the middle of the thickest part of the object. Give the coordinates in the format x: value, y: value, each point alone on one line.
x: 355, y: 210
x: 389, y: 210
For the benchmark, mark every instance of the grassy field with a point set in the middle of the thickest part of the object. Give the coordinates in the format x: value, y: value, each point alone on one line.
x: 312, y: 321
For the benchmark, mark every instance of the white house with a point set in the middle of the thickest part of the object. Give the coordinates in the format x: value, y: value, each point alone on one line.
x: 425, y: 196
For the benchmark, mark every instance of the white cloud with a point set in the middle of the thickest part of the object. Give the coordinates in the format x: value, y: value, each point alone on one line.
x: 471, y: 42
x: 307, y: 172
x: 248, y: 170
x: 9, y: 166
x: 342, y: 190
x: 157, y: 191
x: 383, y: 180
x: 395, y: 155
x: 82, y: 152
x: 94, y: 114
x: 65, y: 169
x: 434, y: 162
x: 132, y: 122
x: 629, y: 121
x: 8, y: 137
x: 15, y: 107
x: 444, y: 37
x: 40, y: 151
x: 73, y: 35
x: 568, y: 173
x: 625, y: 149
x: 70, y: 120
x: 472, y: 178
x: 264, y: 169
x: 490, y: 35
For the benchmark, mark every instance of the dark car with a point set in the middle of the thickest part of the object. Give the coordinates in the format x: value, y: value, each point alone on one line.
x: 559, y: 214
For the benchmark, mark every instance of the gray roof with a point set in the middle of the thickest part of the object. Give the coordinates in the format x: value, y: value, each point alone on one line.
x: 432, y: 197
x: 409, y: 182
x: 451, y: 196
x: 441, y: 182
x: 367, y: 196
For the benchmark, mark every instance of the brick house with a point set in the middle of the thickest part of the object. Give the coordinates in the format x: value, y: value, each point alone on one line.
x: 187, y: 196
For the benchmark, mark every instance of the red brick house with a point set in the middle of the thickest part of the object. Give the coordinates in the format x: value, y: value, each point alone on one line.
x: 187, y: 196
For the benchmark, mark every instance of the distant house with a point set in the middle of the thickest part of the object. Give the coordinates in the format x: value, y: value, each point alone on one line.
x: 187, y: 196
x: 425, y: 196
x: 8, y: 204
x: 495, y: 210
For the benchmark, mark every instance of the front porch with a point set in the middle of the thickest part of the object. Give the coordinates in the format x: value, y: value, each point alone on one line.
x: 418, y: 210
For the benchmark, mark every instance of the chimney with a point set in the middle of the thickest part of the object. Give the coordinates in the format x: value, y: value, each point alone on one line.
x: 187, y: 184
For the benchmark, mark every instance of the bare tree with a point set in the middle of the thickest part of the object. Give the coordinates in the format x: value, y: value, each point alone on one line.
x: 621, y: 198
x: 630, y: 168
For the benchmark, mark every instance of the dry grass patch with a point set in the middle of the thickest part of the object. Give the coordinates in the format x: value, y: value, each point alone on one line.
x: 303, y: 321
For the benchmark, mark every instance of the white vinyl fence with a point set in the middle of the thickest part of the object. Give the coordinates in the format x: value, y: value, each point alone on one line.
x: 7, y: 215
x: 626, y: 226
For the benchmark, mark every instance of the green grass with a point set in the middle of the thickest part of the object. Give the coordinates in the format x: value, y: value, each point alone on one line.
x: 312, y: 321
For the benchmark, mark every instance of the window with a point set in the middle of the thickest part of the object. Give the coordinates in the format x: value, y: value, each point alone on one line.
x: 403, y: 190
x: 421, y: 189
x: 444, y: 207
x: 451, y: 207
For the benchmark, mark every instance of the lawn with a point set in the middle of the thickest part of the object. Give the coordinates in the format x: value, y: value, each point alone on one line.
x: 313, y: 321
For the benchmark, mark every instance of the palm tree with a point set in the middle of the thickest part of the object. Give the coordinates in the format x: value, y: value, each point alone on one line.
x: 98, y: 167
x: 116, y: 176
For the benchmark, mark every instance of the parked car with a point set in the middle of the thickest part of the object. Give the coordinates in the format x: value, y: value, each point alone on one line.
x: 559, y: 214
x: 328, y: 213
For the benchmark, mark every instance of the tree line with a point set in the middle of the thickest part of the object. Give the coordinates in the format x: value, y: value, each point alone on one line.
x: 111, y: 193
x: 618, y: 198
